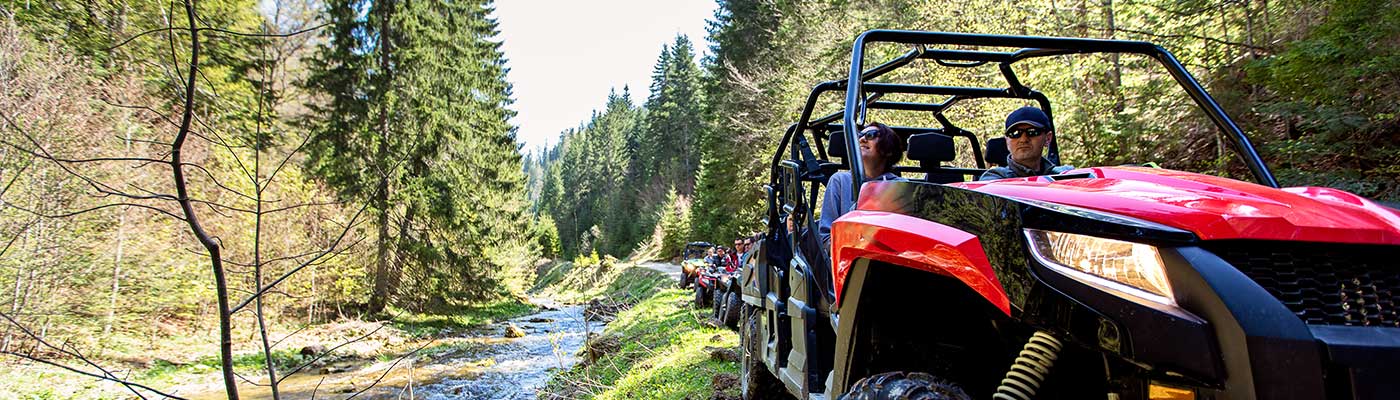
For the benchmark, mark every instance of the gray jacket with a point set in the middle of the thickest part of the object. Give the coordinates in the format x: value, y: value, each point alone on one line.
x: 1015, y: 170
x: 838, y: 200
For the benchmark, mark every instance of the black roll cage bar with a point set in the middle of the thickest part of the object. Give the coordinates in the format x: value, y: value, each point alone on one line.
x: 862, y: 95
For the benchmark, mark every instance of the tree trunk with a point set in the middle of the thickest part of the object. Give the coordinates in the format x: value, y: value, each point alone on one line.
x: 381, y: 265
x: 1115, y: 76
x: 383, y: 286
x: 216, y: 261
x: 117, y: 260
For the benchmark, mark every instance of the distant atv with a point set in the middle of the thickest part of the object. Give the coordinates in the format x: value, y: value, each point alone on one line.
x: 692, y: 259
x: 1115, y: 282
x: 706, y: 280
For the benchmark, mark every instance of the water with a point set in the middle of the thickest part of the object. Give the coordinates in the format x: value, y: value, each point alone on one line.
x: 478, y: 365
x: 522, y: 366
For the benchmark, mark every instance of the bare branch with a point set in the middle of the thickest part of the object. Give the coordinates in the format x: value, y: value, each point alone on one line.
x: 88, y: 210
x: 105, y: 375
x: 1181, y: 36
x: 217, y: 30
x: 318, y: 357
x: 391, y: 368
x: 218, y: 183
x: 289, y: 273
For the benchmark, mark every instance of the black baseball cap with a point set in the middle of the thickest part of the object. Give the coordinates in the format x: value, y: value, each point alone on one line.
x: 1029, y: 115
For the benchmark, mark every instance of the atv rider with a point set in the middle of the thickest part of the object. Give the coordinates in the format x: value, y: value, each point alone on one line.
x: 1028, y: 131
x: 880, y: 149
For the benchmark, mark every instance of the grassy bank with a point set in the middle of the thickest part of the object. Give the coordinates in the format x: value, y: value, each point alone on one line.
x: 658, y: 349
x: 588, y: 278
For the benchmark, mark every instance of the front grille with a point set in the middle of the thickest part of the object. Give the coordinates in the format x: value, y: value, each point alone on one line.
x: 1324, y: 284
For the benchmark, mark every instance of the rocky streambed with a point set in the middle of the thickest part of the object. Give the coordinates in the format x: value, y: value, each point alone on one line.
x: 488, y: 363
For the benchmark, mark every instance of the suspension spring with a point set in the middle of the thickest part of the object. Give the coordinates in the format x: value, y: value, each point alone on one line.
x: 1031, y: 368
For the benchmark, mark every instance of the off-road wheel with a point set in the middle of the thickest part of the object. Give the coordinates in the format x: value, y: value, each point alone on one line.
x: 755, y: 382
x: 904, y: 386
x: 730, y: 315
x: 717, y: 304
x: 699, y: 296
x: 685, y: 280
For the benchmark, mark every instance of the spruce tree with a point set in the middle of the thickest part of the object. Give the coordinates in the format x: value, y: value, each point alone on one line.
x: 416, y: 123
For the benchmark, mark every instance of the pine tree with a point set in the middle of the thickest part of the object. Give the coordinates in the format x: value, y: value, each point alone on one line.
x: 674, y: 120
x: 417, y: 125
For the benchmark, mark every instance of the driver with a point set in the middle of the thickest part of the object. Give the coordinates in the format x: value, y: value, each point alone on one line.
x: 1028, y: 131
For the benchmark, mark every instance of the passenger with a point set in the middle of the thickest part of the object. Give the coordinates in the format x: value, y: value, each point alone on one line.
x: 1028, y: 131
x: 731, y: 259
x: 880, y: 149
x: 747, y: 244
x: 712, y: 257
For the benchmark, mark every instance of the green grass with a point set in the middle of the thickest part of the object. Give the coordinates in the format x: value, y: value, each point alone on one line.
x: 577, y: 283
x: 551, y: 274
x: 662, y: 355
x: 459, y: 317
x: 162, y: 370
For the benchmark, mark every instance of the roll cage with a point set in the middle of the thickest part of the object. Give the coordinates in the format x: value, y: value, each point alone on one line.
x: 695, y: 246
x: 861, y: 95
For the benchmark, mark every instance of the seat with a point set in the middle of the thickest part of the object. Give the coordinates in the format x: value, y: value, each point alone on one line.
x: 836, y: 145
x: 931, y: 149
x: 997, y: 152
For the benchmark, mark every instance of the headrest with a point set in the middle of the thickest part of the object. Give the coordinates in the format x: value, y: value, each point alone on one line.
x: 996, y: 151
x: 836, y: 145
x: 930, y: 147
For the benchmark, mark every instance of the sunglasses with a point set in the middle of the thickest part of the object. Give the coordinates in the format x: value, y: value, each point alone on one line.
x: 869, y: 133
x: 1032, y: 132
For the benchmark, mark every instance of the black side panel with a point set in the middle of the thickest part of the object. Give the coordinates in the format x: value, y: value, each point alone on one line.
x: 847, y: 340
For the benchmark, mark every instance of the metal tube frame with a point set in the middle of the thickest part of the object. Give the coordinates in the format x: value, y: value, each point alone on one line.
x: 853, y: 112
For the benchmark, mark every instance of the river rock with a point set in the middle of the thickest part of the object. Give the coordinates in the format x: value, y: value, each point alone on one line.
x: 334, y: 369
x: 513, y: 331
x: 540, y: 320
x: 312, y: 350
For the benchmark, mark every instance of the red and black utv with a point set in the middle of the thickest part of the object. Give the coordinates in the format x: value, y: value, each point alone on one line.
x: 1117, y: 282
x: 711, y: 278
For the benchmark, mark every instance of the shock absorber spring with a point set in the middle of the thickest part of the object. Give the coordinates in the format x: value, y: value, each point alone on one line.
x: 1031, y: 368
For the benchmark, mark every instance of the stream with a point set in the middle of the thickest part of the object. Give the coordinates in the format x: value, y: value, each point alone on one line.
x: 523, y: 365
x: 480, y: 364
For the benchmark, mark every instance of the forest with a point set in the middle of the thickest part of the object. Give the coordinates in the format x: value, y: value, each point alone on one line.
x: 1311, y: 83
x: 181, y: 178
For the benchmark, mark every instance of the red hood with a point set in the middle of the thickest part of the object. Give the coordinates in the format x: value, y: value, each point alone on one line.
x: 1214, y: 208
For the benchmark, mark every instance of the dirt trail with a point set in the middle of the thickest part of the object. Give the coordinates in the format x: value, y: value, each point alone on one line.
x: 671, y: 270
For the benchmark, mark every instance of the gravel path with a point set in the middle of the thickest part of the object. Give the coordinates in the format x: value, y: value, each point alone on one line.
x: 671, y: 270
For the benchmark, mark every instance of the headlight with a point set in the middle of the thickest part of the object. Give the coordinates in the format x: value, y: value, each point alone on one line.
x: 1131, y: 268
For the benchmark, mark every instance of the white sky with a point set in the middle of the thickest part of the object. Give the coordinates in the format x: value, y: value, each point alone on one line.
x: 564, y: 55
